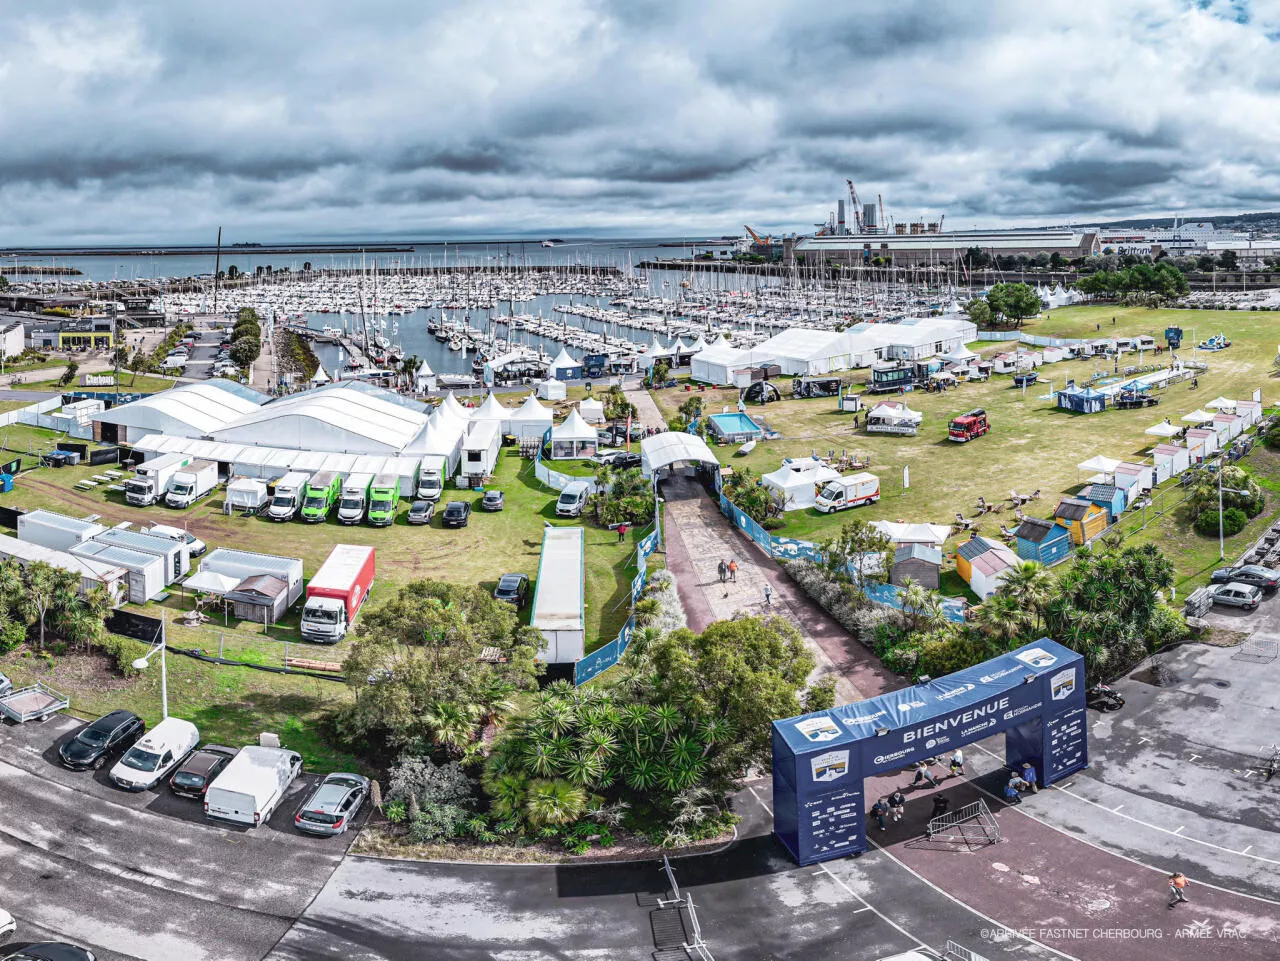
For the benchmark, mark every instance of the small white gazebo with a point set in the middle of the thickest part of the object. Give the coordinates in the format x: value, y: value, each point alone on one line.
x: 551, y: 389
x: 573, y: 438
x: 592, y: 410
x: 1163, y: 429
x: 1221, y: 403
x: 1198, y: 417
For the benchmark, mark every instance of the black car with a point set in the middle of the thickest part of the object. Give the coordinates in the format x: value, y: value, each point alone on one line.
x: 512, y: 588
x: 420, y: 512
x: 456, y: 514
x: 1253, y: 574
x: 492, y: 501
x: 110, y: 735
x: 51, y: 951
x: 197, y: 772
x: 623, y: 460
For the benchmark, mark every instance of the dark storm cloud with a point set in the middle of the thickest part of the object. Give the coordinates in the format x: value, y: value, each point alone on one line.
x: 152, y: 121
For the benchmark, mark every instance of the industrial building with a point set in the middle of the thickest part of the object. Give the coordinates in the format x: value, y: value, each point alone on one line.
x: 903, y: 249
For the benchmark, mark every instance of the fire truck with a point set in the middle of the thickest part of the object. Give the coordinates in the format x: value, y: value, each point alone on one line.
x: 968, y: 426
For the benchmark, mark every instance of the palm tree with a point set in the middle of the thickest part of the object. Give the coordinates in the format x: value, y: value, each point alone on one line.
x: 453, y: 726
x: 1031, y: 584
x: 551, y: 803
x: 914, y: 599
x: 1001, y: 617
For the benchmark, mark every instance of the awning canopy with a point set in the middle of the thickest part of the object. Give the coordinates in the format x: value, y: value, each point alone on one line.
x: 1163, y: 430
x: 211, y: 582
x: 1198, y: 417
x: 1105, y: 465
x: 670, y: 447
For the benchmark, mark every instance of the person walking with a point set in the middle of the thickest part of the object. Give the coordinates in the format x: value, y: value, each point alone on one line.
x: 957, y: 763
x: 1177, y: 888
x: 1029, y: 775
x: 733, y: 570
x: 922, y: 774
x: 878, y: 811
x: 940, y: 805
x: 768, y: 594
x: 897, y: 802
x: 622, y: 533
x: 723, y: 571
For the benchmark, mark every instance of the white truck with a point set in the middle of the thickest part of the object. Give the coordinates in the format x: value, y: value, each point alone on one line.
x: 288, y: 496
x: 431, y: 473
x: 191, y: 483
x: 252, y: 785
x: 152, y: 479
x: 850, y: 491
x: 355, y: 496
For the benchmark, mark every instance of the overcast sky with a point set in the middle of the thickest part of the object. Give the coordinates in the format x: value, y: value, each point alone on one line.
x: 159, y: 121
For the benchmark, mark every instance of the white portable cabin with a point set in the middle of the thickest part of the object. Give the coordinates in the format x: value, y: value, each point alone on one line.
x: 175, y: 554
x: 1170, y: 461
x: 558, y: 600
x: 1133, y: 479
x: 797, y: 482
x: 1201, y: 443
x: 55, y: 531
x: 1250, y: 411
x: 146, y: 571
x: 479, y: 454
x: 245, y: 494
x: 93, y: 574
x: 1228, y: 427
x: 1053, y: 355
x: 245, y: 564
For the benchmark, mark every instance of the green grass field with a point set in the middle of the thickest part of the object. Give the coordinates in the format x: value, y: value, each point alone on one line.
x: 143, y: 383
x: 1032, y: 445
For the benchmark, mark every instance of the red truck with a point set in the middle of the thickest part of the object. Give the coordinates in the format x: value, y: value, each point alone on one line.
x: 968, y: 426
x: 335, y: 594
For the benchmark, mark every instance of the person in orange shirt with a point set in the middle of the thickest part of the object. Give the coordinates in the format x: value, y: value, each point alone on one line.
x: 1177, y: 885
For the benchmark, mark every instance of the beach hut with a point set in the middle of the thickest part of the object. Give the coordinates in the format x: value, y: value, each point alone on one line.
x: 1170, y: 461
x: 1133, y: 479
x: 921, y: 563
x: 983, y: 563
x: 1107, y: 496
x: 565, y: 367
x: 1201, y: 443
x: 1250, y: 411
x: 1081, y: 400
x: 1053, y: 355
x: 1085, y: 519
x: 592, y: 410
x: 1047, y: 542
x: 573, y: 438
x: 797, y: 482
x: 1228, y: 427
x: 531, y: 420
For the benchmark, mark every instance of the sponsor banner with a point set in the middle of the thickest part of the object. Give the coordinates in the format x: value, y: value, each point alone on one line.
x: 648, y: 544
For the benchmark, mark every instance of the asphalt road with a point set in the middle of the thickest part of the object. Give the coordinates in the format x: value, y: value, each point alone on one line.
x: 144, y: 875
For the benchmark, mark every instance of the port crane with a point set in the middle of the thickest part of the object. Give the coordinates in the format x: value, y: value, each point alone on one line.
x: 857, y: 206
x: 756, y: 238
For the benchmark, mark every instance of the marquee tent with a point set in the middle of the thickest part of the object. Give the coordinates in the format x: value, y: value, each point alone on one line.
x: 492, y: 410
x: 531, y: 420
x: 551, y: 389
x: 797, y: 482
x: 565, y: 367
x: 573, y: 438
x: 1221, y: 403
x: 1163, y: 429
x: 1103, y: 465
x: 592, y: 410
x: 891, y: 417
x: 902, y: 533
x: 1198, y: 417
x: 716, y: 364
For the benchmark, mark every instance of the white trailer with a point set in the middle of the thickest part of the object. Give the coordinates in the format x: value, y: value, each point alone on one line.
x: 57, y: 532
x: 175, y: 553
x: 558, y: 609
x: 151, y: 478
x: 851, y: 491
x: 252, y: 785
x: 191, y: 483
x: 288, y: 496
x: 146, y: 571
x: 479, y: 453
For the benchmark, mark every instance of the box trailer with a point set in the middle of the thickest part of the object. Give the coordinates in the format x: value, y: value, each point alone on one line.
x: 151, y: 478
x: 57, y: 532
x: 175, y: 554
x: 851, y: 491
x: 558, y: 609
x: 355, y: 497
x: 252, y: 785
x: 244, y: 564
x: 191, y: 483
x: 384, y: 494
x: 287, y: 497
x: 336, y: 593
x: 146, y: 571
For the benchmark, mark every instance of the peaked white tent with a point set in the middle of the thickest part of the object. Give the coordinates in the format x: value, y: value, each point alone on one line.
x: 1221, y: 403
x: 902, y: 533
x: 531, y: 420
x: 961, y: 355
x: 573, y: 438
x: 592, y: 410
x: 565, y: 367
x: 1163, y: 430
x: 798, y: 482
x: 319, y: 377
x: 451, y: 404
x: 1198, y: 417
x: 493, y: 411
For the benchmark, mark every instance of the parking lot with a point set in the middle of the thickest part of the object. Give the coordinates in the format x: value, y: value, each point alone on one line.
x: 145, y: 875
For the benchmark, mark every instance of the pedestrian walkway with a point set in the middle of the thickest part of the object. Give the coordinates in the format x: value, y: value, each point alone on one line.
x: 698, y: 537
x: 647, y: 412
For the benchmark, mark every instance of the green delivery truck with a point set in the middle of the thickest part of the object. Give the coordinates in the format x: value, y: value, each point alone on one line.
x: 322, y: 492
x: 384, y: 494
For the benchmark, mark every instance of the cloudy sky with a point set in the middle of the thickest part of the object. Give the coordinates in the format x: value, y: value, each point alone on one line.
x: 156, y: 121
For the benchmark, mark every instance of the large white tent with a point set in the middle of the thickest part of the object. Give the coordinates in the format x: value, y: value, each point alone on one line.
x: 673, y: 447
x: 573, y: 438
x: 716, y: 364
x: 798, y: 482
x: 189, y: 410
x: 565, y: 367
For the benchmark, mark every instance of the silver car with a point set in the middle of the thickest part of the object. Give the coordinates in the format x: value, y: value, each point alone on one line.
x: 1236, y: 594
x: 333, y: 805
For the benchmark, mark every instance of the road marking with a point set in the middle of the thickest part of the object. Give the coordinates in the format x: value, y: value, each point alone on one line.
x: 1247, y: 850
x: 1180, y: 829
x: 758, y: 801
x: 1144, y: 740
x: 1116, y: 808
x: 1195, y: 757
x: 883, y: 917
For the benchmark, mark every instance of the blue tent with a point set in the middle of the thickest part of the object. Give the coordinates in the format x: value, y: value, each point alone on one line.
x: 1081, y: 400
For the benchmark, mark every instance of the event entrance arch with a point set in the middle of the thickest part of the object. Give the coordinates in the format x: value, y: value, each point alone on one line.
x: 1035, y: 694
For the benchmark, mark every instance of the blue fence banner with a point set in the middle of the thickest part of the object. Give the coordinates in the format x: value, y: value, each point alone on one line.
x: 790, y: 549
x: 604, y: 657
x: 648, y: 544
x: 890, y: 595
x: 1035, y: 694
x: 637, y: 585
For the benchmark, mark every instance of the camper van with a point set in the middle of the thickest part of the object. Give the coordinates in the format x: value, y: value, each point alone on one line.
x: 573, y: 499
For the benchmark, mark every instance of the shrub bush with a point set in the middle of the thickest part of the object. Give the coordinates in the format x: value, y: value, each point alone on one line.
x: 1233, y: 522
x: 437, y: 822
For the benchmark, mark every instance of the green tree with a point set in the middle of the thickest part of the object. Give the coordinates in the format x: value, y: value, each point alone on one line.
x: 979, y: 311
x: 857, y: 553
x: 744, y: 491
x: 1016, y: 302
x: 233, y: 272
x: 245, y: 351
x: 1204, y: 494
x: 659, y: 374
x: 1228, y: 260
x: 68, y: 373
x: 1030, y: 585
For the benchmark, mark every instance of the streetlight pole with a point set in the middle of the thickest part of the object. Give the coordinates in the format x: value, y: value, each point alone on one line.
x: 1222, y: 553
x: 143, y: 662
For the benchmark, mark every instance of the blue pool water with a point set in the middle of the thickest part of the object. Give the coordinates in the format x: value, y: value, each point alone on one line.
x: 735, y: 424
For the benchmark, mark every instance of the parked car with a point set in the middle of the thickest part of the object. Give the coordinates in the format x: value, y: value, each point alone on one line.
x: 97, y: 742
x: 7, y: 924
x: 1255, y: 574
x: 333, y: 805
x: 573, y: 499
x: 493, y: 501
x: 456, y: 514
x: 421, y: 512
x: 512, y: 588
x: 51, y: 951
x: 1247, y: 596
x: 622, y: 460
x: 157, y: 753
x: 194, y: 545
x: 196, y: 773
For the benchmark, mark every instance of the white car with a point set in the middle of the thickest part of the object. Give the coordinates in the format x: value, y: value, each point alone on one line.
x: 194, y: 544
x: 7, y: 924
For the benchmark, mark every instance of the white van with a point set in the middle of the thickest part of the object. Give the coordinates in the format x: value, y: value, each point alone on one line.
x: 573, y: 499
x: 152, y: 758
x: 252, y: 785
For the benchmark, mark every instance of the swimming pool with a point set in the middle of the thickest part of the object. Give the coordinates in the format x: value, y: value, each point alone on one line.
x: 734, y: 428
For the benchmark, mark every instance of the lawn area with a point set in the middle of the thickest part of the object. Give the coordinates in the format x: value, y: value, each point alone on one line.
x: 1031, y: 445
x: 143, y: 383
x: 491, y: 545
x: 8, y: 405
